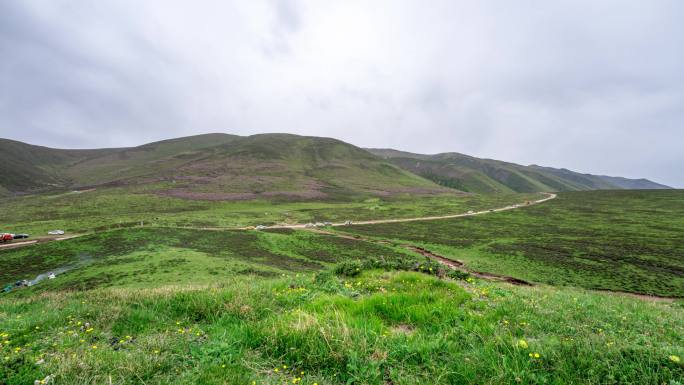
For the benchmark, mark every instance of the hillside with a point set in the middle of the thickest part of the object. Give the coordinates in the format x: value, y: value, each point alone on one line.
x: 231, y: 167
x: 215, y: 167
x: 27, y: 167
x: 478, y: 175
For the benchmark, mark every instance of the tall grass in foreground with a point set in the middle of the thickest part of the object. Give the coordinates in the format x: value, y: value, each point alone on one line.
x: 375, y: 328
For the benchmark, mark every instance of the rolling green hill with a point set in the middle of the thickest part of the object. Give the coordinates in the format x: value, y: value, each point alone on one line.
x: 214, y: 167
x: 478, y: 175
x: 231, y: 167
x: 27, y: 167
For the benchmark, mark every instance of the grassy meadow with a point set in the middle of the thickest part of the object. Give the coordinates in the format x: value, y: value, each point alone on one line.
x: 161, y: 305
x: 375, y: 328
x: 613, y: 240
x: 125, y: 207
x: 150, y: 257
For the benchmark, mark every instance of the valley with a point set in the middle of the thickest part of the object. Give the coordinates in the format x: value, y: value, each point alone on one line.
x: 194, y: 261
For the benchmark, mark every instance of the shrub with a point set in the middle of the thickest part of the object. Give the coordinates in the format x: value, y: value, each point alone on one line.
x: 350, y: 268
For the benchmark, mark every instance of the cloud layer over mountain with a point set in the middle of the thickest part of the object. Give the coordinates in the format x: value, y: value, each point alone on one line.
x: 592, y: 86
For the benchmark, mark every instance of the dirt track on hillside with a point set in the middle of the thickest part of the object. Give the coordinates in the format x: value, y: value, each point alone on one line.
x: 429, y: 218
x: 304, y: 226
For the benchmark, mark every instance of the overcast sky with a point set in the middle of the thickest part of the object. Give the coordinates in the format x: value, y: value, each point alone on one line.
x: 594, y: 86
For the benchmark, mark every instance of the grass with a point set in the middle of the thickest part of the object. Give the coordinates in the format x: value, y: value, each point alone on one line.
x: 377, y: 328
x: 125, y: 207
x: 150, y: 257
x: 157, y: 305
x: 612, y: 240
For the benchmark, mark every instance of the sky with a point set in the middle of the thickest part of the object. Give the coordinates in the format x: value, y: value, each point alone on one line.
x: 592, y: 86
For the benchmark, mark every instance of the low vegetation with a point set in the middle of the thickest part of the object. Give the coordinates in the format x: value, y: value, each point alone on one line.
x: 148, y: 257
x: 126, y: 207
x: 612, y: 240
x: 169, y: 305
x: 375, y: 328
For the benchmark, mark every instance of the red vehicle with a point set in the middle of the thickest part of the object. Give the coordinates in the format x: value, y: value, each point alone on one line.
x: 6, y: 237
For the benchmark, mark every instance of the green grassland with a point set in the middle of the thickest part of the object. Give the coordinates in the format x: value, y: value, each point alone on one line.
x: 614, y: 240
x: 376, y: 328
x: 150, y: 257
x: 162, y: 305
x: 122, y: 207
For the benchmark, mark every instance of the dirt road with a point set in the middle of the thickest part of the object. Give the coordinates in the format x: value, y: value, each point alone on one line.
x: 15, y: 245
x: 549, y: 196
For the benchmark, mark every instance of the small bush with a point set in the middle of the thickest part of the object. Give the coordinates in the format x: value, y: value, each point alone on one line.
x: 353, y: 268
x: 349, y: 268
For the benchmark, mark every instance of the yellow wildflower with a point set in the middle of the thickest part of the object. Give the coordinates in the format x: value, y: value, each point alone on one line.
x: 675, y: 359
x: 522, y: 344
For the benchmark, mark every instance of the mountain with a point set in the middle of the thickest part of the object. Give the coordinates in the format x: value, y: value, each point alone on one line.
x: 27, y: 167
x: 214, y: 167
x: 467, y: 173
x: 634, y: 184
x: 231, y: 167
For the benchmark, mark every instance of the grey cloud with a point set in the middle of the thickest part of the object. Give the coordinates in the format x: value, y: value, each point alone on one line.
x: 586, y: 85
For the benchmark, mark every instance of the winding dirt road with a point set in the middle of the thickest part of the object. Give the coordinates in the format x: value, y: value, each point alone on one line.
x: 549, y: 196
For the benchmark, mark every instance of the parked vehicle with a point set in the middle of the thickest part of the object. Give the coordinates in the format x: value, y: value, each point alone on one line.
x: 261, y: 227
x: 6, y: 237
x: 56, y: 232
x: 21, y: 236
